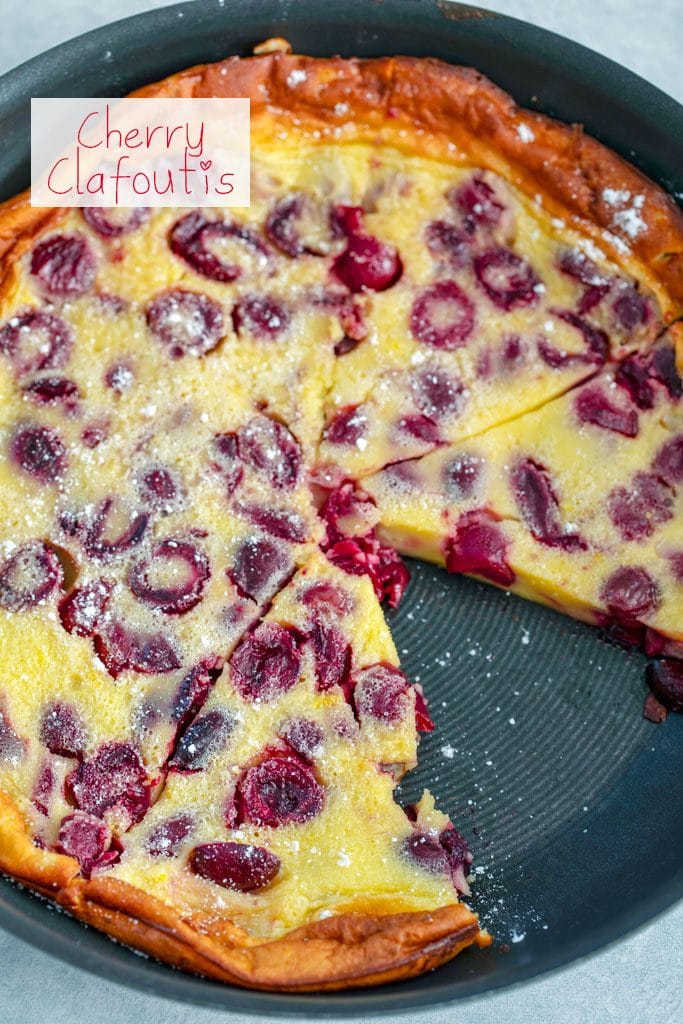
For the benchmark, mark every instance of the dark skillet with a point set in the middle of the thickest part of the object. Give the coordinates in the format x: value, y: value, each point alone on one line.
x: 576, y: 816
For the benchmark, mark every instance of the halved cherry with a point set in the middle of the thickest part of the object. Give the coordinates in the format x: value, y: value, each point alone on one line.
x: 173, y: 578
x: 271, y: 449
x: 226, y: 459
x: 159, y: 488
x: 593, y: 406
x: 327, y: 598
x: 458, y: 857
x: 631, y: 309
x: 259, y: 567
x: 595, y: 338
x: 281, y: 790
x: 53, y: 391
x: 239, y: 866
x: 101, y: 539
x: 201, y: 741
x: 638, y: 509
x: 120, y: 377
x: 44, y: 788
x: 114, y: 780
x: 480, y: 546
x: 64, y: 265
x: 665, y: 678
x: 267, y: 663
x: 278, y: 522
x: 303, y: 736
x: 168, y: 836
x: 668, y: 462
x: 36, y: 340
x: 82, y: 609
x: 442, y: 316
x: 366, y: 264
x: 29, y: 576
x: 478, y: 203
x: 88, y: 839
x: 423, y: 719
x: 437, y: 393
x: 261, y: 316
x: 347, y: 427
x: 449, y: 242
x: 382, y: 692
x: 508, y: 280
x: 62, y: 731
x: 115, y: 222
x: 348, y: 512
x: 12, y: 746
x: 331, y: 652
x: 121, y: 649
x: 365, y: 556
x: 630, y: 594
x: 298, y: 224
x: 536, y: 499
x: 461, y: 475
x: 426, y: 851
x: 39, y: 451
x: 186, y: 323
x: 221, y: 251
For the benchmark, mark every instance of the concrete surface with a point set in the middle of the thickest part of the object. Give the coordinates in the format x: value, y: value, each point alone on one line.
x: 639, y: 981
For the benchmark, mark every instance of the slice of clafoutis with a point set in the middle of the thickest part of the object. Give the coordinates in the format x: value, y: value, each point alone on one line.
x: 578, y: 505
x: 497, y: 309
x: 278, y: 809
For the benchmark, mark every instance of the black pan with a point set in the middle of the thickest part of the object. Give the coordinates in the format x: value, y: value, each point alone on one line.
x: 571, y: 800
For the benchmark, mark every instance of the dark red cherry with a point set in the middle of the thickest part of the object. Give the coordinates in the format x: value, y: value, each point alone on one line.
x: 226, y: 459
x: 94, y: 434
x: 217, y: 250
x: 508, y: 280
x: 281, y: 790
x: 278, y: 522
x: 64, y: 265
x: 478, y: 203
x: 260, y: 316
x: 303, y: 736
x: 595, y: 338
x: 158, y: 487
x: 115, y: 222
x: 638, y: 509
x: 267, y: 663
x: 665, y: 679
x: 593, y: 406
x: 113, y: 780
x: 62, y: 731
x: 634, y: 374
x: 458, y: 857
x: 347, y: 220
x: 260, y: 566
x: 272, y: 450
x: 298, y: 225
x: 201, y: 741
x: 173, y: 578
x: 382, y: 692
x: 480, y: 546
x: 12, y: 746
x: 630, y: 594
x: 101, y: 541
x: 29, y: 576
x: 365, y: 556
x: 36, y: 341
x: 664, y: 370
x: 165, y: 839
x: 442, y: 316
x: 39, y: 451
x: 536, y: 499
x: 88, y: 839
x: 53, y: 391
x: 366, y: 264
x: 436, y: 393
x: 120, y: 377
x: 348, y: 511
x: 446, y: 241
x: 328, y: 599
x: 576, y: 264
x: 631, y: 309
x: 44, y: 788
x: 460, y: 476
x: 347, y: 427
x: 82, y: 609
x: 121, y: 649
x: 419, y: 427
x: 668, y: 463
x: 423, y: 720
x: 239, y: 866
x: 331, y: 652
x: 193, y: 690
x: 426, y: 851
x: 186, y: 323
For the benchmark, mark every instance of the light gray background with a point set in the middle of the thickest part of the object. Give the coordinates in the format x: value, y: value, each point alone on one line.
x: 639, y: 981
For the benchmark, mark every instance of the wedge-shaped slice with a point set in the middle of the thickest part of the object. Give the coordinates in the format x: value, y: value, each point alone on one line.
x: 578, y: 505
x: 278, y: 810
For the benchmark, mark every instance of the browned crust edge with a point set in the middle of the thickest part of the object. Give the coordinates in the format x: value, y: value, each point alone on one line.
x: 348, y: 951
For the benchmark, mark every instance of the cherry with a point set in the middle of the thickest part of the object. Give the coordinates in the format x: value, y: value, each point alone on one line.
x: 382, y: 692
x: 165, y: 839
x: 538, y: 504
x: 120, y: 377
x: 593, y: 406
x: 426, y: 851
x: 186, y: 323
x: 576, y: 264
x: 64, y: 265
x: 423, y: 720
x: 637, y: 510
x: 461, y: 475
x: 630, y: 594
x: 53, y: 391
x: 303, y: 736
x: 442, y: 316
x: 332, y: 654
x: 635, y: 375
x: 267, y: 663
x: 436, y: 393
x: 36, y: 341
x: 347, y: 427
x: 12, y: 746
x: 261, y: 316
x: 281, y: 790
x: 348, y: 511
x: 201, y: 742
x: 194, y: 689
x: 44, y: 789
x: 99, y: 544
x: 120, y: 649
x: 595, y: 338
x: 244, y: 252
x: 365, y: 556
x: 478, y: 203
x: 277, y: 522
x: 271, y: 450
x: 665, y: 679
x: 88, y: 839
x: 366, y: 264
x: 239, y: 866
x: 296, y: 226
x: 113, y: 223
x: 631, y: 309
x: 508, y: 280
x: 327, y: 598
x: 227, y: 461
x: 29, y: 576
x: 513, y: 350
x: 480, y: 546
x: 62, y: 731
x: 159, y: 488
x: 665, y: 371
x: 114, y: 780
x: 445, y: 240
x: 95, y: 434
x: 173, y: 578
x: 458, y: 857
x: 39, y: 451
x: 419, y: 427
x: 668, y: 463
x: 259, y: 567
x: 83, y: 608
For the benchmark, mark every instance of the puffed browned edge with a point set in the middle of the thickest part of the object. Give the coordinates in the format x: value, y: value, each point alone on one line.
x: 347, y: 951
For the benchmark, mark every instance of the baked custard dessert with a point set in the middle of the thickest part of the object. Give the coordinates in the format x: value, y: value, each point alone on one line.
x: 445, y: 326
